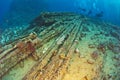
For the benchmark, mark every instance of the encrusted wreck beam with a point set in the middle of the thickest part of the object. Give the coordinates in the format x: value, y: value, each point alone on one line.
x: 58, y: 42
x: 65, y: 42
x: 19, y: 52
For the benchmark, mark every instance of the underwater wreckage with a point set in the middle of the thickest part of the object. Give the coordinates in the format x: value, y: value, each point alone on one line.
x: 63, y: 46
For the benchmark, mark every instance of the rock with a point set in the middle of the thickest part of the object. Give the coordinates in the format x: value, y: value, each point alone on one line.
x: 95, y: 55
x: 90, y: 61
x: 102, y: 47
x: 91, y: 46
x: 76, y: 50
x: 77, y: 41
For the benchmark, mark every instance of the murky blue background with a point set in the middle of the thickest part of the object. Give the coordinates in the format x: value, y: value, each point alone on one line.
x: 21, y: 12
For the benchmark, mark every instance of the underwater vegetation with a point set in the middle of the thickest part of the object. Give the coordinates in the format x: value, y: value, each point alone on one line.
x: 62, y: 46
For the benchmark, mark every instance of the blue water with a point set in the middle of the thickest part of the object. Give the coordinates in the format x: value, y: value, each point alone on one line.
x: 4, y: 7
x: 20, y: 12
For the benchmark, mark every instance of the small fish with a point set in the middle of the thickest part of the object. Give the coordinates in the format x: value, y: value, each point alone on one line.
x: 100, y: 14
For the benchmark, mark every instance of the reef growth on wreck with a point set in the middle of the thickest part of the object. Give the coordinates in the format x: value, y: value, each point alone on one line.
x: 62, y: 46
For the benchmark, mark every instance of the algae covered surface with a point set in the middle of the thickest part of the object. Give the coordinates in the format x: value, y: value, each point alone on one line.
x: 62, y: 46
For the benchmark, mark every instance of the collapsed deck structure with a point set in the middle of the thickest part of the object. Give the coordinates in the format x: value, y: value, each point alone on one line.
x: 63, y: 46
